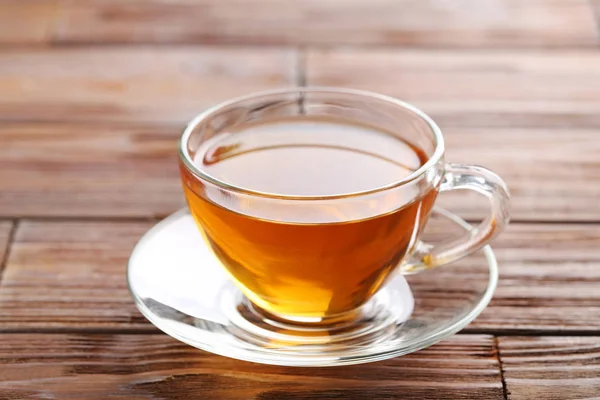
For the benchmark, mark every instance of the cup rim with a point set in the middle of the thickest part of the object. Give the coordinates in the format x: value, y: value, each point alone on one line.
x: 184, y: 155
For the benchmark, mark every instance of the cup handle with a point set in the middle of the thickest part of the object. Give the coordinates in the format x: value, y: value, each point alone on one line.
x: 426, y: 256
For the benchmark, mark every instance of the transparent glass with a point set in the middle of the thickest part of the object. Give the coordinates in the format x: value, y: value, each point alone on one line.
x: 289, y: 253
x: 324, y: 278
x: 178, y: 284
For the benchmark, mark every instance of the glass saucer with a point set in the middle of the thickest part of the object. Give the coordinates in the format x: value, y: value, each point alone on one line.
x: 179, y: 285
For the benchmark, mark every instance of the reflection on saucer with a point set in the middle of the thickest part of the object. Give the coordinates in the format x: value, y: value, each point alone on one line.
x: 179, y: 285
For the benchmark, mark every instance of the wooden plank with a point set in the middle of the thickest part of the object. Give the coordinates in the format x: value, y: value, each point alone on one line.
x: 549, y: 280
x: 70, y: 274
x: 133, y: 83
x: 79, y: 169
x: 553, y: 174
x: 496, y: 109
x: 131, y: 171
x: 5, y: 229
x: 596, y: 8
x: 137, y: 166
x: 129, y: 367
x: 543, y: 89
x: 27, y: 21
x: 552, y: 368
x: 309, y: 22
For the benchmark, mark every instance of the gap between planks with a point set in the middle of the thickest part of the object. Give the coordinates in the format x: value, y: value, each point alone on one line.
x: 595, y: 6
x: 14, y: 225
x: 500, y: 367
x: 301, y: 66
x: 151, y: 330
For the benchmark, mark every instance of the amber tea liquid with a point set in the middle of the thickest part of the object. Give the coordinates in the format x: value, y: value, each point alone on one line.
x: 308, y: 259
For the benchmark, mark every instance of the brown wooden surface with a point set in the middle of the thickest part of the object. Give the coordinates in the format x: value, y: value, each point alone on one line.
x: 549, y: 278
x: 95, y: 93
x: 551, y: 368
x: 5, y: 231
x: 70, y: 274
x: 484, y: 88
x: 553, y: 173
x: 27, y: 21
x: 133, y: 84
x: 101, y: 366
x: 123, y: 170
x: 381, y: 22
x: 89, y: 169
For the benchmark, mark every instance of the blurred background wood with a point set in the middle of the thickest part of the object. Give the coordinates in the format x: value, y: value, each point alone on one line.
x: 435, y: 23
x: 141, y: 84
x: 96, y: 92
x: 5, y: 231
x: 25, y: 22
x: 460, y: 23
x: 85, y: 169
x: 474, y: 88
x: 105, y: 169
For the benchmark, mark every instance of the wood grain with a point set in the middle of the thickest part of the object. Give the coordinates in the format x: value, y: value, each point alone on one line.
x: 437, y: 23
x: 70, y: 274
x: 552, y: 368
x: 27, y: 21
x: 157, y: 367
x: 5, y: 230
x: 94, y: 96
x: 596, y: 8
x: 133, y: 84
x: 549, y: 280
x: 553, y: 174
x: 539, y: 89
x: 108, y: 170
x: 88, y: 169
x: 137, y: 165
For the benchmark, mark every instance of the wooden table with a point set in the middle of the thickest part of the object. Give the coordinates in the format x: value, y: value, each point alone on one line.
x: 94, y: 93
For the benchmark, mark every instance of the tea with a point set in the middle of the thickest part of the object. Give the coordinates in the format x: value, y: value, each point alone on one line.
x: 314, y: 264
